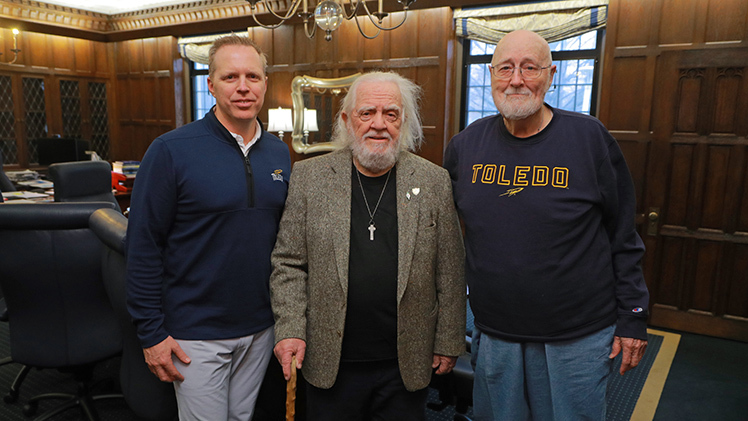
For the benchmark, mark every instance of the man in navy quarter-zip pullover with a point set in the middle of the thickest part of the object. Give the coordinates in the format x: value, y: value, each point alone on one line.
x: 203, y: 220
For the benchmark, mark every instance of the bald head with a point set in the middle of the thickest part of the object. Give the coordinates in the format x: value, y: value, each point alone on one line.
x: 520, y: 97
x: 523, y: 43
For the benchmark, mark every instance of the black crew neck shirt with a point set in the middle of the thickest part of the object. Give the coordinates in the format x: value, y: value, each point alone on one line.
x: 371, y: 318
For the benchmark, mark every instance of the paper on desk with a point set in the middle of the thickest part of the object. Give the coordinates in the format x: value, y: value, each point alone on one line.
x: 17, y: 176
x: 23, y: 195
x: 37, y: 184
x: 17, y: 202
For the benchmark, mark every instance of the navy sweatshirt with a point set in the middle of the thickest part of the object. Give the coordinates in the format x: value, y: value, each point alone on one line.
x: 550, y: 236
x: 203, y: 221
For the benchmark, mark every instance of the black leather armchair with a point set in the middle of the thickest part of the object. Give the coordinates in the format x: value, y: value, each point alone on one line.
x: 7, y: 186
x: 15, y: 387
x: 84, y: 181
x: 147, y: 396
x: 59, y: 314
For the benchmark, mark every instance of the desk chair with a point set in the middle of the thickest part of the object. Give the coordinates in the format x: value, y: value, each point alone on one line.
x: 59, y: 314
x: 83, y: 181
x: 7, y: 186
x: 144, y: 393
x: 15, y: 387
x: 148, y: 397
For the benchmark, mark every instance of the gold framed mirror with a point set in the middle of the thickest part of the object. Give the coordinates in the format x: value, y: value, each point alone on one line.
x: 315, y: 105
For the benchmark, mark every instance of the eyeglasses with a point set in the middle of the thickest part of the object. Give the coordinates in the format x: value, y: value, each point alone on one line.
x: 389, y: 116
x: 526, y: 71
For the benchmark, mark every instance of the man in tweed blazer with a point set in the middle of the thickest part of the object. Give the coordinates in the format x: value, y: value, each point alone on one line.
x: 367, y: 288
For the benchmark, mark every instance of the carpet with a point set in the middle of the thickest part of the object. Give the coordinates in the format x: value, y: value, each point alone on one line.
x: 634, y: 396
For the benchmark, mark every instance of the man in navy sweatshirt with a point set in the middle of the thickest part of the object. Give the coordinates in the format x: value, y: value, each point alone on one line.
x: 203, y: 219
x: 553, y: 256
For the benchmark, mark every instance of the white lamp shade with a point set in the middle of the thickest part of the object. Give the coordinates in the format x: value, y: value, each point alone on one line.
x: 310, y: 120
x: 279, y: 120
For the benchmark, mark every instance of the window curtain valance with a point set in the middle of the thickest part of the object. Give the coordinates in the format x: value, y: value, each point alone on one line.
x: 196, y: 48
x: 553, y: 20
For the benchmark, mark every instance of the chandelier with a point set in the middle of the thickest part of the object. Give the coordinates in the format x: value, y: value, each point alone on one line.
x: 329, y: 14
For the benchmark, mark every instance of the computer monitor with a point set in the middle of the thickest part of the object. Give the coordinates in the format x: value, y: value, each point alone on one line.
x: 60, y: 149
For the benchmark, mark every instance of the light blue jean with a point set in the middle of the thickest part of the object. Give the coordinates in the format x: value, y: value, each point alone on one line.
x: 552, y: 381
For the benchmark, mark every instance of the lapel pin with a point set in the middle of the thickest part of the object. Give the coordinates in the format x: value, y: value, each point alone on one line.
x: 407, y: 195
x: 416, y: 190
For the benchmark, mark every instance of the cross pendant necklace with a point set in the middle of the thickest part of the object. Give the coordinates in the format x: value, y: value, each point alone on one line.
x: 372, y: 228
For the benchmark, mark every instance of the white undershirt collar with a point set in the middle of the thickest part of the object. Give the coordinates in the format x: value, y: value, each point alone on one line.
x: 240, y: 140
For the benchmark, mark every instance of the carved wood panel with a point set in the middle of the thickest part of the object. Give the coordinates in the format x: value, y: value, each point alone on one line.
x: 674, y: 96
x: 699, y: 284
x: 148, y: 74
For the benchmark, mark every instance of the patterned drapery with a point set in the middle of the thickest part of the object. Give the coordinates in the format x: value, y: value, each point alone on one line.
x: 196, y: 48
x: 553, y: 20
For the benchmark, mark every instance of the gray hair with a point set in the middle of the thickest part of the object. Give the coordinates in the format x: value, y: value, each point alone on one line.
x: 411, y: 132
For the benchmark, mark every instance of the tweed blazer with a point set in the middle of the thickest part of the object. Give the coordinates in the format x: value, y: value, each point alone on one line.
x: 309, y: 283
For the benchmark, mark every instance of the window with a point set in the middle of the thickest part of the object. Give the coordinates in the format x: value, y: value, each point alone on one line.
x: 97, y: 104
x: 83, y: 114
x: 70, y: 103
x: 34, y: 112
x: 202, y: 100
x: 574, y: 86
x: 7, y: 121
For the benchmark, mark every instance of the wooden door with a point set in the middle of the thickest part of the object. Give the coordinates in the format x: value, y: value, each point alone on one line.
x: 696, y: 195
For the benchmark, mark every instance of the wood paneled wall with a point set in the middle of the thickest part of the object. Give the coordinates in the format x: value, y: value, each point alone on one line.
x: 149, y: 74
x: 149, y: 94
x: 51, y: 58
x: 53, y: 54
x: 638, y: 32
x: 420, y: 50
x: 675, y: 83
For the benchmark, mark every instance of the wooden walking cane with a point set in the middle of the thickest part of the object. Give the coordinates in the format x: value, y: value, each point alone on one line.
x: 291, y: 392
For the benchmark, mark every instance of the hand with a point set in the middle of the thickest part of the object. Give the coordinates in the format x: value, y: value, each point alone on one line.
x: 285, y: 351
x: 633, y: 350
x: 443, y: 364
x: 159, y: 360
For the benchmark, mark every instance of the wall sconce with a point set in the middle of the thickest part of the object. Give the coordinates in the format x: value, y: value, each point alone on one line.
x: 329, y: 14
x: 279, y: 120
x: 310, y: 122
x: 15, y: 49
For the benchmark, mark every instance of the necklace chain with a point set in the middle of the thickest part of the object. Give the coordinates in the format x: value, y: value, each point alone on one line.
x: 372, y: 228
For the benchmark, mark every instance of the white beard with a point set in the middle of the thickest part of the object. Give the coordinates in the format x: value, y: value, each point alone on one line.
x: 376, y: 160
x: 519, y: 109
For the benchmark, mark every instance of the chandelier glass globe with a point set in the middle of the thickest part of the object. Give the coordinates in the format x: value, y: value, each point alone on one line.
x: 328, y: 15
